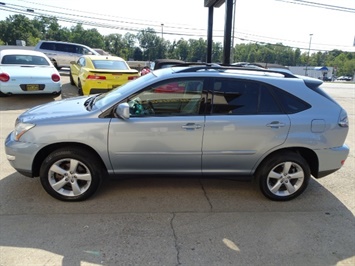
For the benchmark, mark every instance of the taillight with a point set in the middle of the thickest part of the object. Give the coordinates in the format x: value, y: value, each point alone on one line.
x: 4, y: 77
x: 96, y: 77
x: 343, y: 119
x: 132, y: 77
x: 55, y: 77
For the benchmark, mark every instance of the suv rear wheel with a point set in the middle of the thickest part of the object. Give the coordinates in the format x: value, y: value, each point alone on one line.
x: 283, y: 176
x: 71, y: 174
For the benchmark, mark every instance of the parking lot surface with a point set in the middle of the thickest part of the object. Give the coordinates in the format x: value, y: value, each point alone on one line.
x: 176, y: 221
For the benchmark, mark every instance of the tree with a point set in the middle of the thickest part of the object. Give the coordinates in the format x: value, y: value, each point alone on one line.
x: 19, y: 27
x: 198, y: 50
x: 147, y: 40
x: 89, y: 37
x: 182, y: 50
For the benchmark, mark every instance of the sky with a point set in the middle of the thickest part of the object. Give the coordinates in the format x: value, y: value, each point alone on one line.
x: 315, y: 25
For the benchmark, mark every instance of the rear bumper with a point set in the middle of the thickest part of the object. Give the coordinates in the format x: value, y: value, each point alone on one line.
x: 331, y: 160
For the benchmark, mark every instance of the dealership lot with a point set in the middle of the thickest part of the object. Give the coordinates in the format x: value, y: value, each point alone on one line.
x: 151, y: 221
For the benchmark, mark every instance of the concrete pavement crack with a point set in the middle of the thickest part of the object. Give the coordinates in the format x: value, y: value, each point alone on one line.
x: 175, y: 241
x: 206, y: 196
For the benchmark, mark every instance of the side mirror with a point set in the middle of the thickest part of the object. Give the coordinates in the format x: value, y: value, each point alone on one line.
x: 122, y: 110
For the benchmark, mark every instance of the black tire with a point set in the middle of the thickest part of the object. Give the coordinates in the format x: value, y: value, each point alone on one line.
x: 283, y: 176
x: 71, y: 174
x: 80, y: 90
x: 55, y: 64
x: 3, y: 94
x: 71, y: 79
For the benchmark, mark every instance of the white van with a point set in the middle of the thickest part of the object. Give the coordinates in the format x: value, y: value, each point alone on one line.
x: 62, y: 53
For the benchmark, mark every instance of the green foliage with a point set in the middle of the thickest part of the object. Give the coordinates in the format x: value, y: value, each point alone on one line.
x: 148, y: 45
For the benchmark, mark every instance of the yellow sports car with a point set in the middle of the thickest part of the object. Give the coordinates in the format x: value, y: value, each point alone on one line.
x: 97, y: 73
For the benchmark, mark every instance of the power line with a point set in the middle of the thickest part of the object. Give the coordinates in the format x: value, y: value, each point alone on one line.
x: 319, y: 5
x: 29, y: 11
x: 104, y: 17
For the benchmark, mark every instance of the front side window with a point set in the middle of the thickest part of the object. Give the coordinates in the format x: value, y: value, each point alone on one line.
x: 81, y: 61
x: 171, y: 98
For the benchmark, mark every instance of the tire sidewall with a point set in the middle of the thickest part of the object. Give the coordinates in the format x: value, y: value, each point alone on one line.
x: 270, y: 163
x: 85, y: 158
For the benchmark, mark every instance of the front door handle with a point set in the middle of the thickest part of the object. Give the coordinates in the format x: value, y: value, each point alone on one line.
x: 191, y: 126
x: 275, y: 124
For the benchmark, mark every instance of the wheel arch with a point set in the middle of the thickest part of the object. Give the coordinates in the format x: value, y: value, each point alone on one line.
x: 309, y: 155
x: 43, y: 153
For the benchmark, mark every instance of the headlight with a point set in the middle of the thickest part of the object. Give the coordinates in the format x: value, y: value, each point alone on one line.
x: 22, y: 128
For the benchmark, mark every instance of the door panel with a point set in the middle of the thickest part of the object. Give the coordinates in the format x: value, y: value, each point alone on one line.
x: 233, y: 144
x: 156, y: 144
x: 164, y: 131
x: 245, y: 122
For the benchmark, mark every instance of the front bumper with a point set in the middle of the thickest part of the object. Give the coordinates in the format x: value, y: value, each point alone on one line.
x: 21, y: 155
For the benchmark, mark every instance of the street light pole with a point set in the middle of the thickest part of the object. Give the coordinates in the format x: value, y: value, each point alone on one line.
x: 309, y: 50
x: 162, y: 27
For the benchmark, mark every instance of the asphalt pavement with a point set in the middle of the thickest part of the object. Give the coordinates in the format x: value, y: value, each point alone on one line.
x: 176, y: 221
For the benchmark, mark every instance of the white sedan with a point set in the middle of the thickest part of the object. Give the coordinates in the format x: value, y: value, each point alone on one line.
x: 27, y: 72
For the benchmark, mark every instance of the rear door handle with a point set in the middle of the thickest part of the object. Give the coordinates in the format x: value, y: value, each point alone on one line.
x: 275, y: 124
x: 191, y: 126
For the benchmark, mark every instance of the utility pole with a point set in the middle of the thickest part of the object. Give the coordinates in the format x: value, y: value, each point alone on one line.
x: 309, y: 50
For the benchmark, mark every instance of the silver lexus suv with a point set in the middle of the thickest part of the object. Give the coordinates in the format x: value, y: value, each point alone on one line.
x: 205, y: 120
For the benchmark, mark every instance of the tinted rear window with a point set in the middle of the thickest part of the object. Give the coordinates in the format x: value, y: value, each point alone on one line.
x: 24, y: 60
x: 110, y: 64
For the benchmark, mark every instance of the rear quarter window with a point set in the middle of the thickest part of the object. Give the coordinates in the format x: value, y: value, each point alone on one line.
x: 290, y: 103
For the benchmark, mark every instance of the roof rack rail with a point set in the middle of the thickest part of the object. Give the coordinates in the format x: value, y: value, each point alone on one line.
x: 208, y: 66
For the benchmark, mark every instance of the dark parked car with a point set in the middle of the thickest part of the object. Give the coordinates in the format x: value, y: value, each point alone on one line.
x: 164, y: 63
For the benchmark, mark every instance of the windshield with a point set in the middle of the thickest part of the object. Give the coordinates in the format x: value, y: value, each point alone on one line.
x: 123, y: 91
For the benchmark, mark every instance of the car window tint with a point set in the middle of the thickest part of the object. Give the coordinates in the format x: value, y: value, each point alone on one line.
x: 84, y: 50
x: 48, y: 46
x: 231, y: 96
x: 61, y: 47
x: 24, y: 60
x: 78, y: 49
x: 290, y: 103
x: 110, y: 64
x: 267, y: 103
x: 241, y: 97
x: 172, y: 98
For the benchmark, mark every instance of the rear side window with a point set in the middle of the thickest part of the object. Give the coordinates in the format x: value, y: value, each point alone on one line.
x: 48, y: 46
x: 290, y: 103
x: 242, y: 97
x: 62, y: 47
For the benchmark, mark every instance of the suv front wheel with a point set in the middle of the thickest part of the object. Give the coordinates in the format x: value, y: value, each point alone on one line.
x: 71, y: 174
x: 283, y: 176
